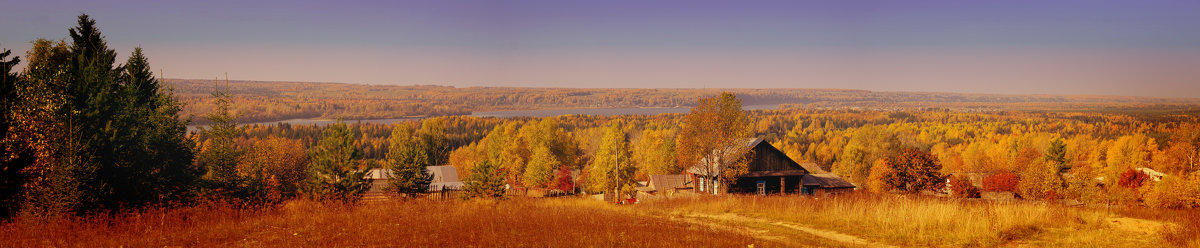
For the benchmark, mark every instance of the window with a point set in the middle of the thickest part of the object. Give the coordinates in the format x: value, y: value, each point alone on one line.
x: 714, y: 185
x: 762, y: 187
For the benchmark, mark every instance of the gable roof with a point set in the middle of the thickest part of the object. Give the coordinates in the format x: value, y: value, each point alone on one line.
x: 813, y: 168
x: 826, y: 180
x: 669, y: 182
x: 776, y: 162
x: 750, y: 144
x: 441, y: 174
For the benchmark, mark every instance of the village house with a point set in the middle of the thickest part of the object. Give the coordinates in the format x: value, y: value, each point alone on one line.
x: 444, y: 178
x: 770, y: 171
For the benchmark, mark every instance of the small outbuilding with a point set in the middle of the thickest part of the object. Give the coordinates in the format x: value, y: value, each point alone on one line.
x: 825, y: 184
x: 665, y: 185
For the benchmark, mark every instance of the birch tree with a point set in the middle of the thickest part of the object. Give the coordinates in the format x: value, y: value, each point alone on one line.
x: 713, y: 140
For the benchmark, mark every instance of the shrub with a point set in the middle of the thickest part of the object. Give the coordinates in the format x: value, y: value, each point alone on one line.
x: 1132, y: 179
x: 1173, y: 192
x: 1001, y: 182
x: 486, y: 181
x: 563, y: 180
x: 875, y: 181
x: 1052, y: 195
x: 914, y: 170
x: 961, y: 187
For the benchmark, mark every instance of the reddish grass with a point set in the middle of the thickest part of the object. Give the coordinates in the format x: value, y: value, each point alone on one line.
x: 419, y: 223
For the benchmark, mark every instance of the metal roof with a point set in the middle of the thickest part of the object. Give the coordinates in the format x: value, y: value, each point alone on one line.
x: 440, y: 173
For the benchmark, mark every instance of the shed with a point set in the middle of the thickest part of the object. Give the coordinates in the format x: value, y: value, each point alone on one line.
x: 825, y: 184
x: 665, y: 184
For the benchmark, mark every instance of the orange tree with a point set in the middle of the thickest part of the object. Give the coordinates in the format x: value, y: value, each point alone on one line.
x: 1001, y: 182
x: 961, y: 187
x: 914, y: 170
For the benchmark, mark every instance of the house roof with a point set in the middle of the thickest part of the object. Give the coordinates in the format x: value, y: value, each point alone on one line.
x: 813, y: 168
x: 750, y: 144
x: 826, y: 180
x: 775, y: 173
x: 667, y: 182
x: 441, y: 174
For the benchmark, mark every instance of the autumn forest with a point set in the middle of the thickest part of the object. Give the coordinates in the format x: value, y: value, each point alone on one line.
x: 90, y: 142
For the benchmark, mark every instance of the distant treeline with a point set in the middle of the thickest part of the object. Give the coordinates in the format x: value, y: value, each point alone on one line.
x: 258, y: 101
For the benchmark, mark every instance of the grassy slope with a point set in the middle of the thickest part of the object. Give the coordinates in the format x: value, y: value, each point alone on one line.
x: 923, y: 222
x: 554, y: 223
x: 572, y: 222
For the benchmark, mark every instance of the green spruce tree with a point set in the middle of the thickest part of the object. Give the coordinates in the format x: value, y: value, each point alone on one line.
x: 219, y: 154
x: 15, y: 156
x: 407, y: 158
x: 485, y: 181
x: 333, y: 172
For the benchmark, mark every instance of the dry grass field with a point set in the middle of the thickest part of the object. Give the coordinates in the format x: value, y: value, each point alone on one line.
x: 419, y: 223
x: 737, y: 221
x: 932, y: 222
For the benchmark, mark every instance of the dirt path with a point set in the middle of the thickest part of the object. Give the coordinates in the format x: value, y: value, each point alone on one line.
x: 828, y: 234
x: 757, y: 233
x: 1147, y: 227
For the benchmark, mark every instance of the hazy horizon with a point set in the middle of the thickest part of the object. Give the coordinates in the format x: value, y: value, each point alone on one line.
x: 1146, y: 48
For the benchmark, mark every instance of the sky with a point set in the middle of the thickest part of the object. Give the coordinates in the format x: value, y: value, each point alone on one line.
x: 1135, y: 48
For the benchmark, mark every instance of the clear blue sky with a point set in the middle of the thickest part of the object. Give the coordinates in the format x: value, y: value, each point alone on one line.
x: 1146, y: 48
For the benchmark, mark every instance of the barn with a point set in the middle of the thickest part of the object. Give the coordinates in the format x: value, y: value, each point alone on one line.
x: 770, y: 171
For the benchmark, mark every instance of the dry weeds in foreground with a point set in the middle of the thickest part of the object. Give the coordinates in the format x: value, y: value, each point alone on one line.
x: 573, y: 222
x: 419, y: 223
x: 934, y: 222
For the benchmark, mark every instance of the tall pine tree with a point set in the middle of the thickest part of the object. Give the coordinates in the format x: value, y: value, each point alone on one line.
x: 407, y: 158
x: 219, y: 154
x: 15, y: 156
x: 333, y: 174
x: 99, y: 145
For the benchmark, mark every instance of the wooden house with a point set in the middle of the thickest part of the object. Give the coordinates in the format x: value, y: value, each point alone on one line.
x: 770, y: 171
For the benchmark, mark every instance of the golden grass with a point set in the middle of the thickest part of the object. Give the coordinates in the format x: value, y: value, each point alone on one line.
x: 917, y: 221
x: 418, y: 223
x: 730, y: 221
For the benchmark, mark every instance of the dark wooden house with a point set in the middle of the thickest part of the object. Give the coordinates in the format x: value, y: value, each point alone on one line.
x: 770, y: 171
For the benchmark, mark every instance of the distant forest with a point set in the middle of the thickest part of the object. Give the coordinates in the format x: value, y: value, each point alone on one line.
x: 259, y: 101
